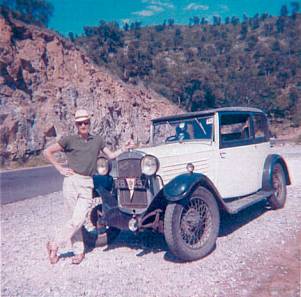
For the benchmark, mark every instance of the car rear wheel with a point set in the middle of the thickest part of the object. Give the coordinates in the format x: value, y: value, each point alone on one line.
x: 99, y: 235
x: 277, y: 200
x: 191, y: 227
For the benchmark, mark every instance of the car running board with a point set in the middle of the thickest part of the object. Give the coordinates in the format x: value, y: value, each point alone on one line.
x: 241, y: 203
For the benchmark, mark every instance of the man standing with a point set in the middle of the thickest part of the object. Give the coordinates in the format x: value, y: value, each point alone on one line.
x: 81, y: 151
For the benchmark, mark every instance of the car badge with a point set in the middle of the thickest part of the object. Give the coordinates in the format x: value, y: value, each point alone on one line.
x: 131, y: 186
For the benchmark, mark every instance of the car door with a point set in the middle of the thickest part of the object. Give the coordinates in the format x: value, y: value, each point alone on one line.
x: 262, y: 144
x: 237, y: 171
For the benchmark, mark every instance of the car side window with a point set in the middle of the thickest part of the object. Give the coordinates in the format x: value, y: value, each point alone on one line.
x: 235, y: 129
x: 260, y: 127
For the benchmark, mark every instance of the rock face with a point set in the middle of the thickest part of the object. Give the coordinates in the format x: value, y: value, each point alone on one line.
x: 44, y: 79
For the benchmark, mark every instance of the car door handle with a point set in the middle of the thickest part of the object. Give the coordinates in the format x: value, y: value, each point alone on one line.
x: 223, y: 155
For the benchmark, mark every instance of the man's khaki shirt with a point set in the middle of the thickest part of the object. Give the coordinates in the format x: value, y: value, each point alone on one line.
x: 82, y: 154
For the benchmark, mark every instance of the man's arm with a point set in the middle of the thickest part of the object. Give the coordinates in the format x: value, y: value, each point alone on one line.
x: 49, y: 155
x: 114, y: 155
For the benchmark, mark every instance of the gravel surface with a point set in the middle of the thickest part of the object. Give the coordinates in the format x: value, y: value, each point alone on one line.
x: 257, y: 254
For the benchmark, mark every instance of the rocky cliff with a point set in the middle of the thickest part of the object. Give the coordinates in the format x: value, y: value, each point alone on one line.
x: 44, y: 78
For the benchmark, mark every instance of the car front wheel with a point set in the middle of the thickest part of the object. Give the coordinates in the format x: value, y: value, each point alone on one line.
x: 277, y: 200
x: 191, y: 226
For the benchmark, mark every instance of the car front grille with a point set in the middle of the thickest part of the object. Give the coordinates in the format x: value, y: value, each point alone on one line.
x: 138, y: 200
x: 130, y: 184
x: 129, y: 168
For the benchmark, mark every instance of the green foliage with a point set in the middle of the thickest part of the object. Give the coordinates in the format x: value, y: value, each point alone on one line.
x: 252, y: 63
x: 217, y: 20
x: 284, y: 10
x: 30, y: 11
x: 295, y: 8
x: 170, y: 22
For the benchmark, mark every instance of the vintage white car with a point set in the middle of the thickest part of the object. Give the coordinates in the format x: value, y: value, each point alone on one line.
x: 198, y: 165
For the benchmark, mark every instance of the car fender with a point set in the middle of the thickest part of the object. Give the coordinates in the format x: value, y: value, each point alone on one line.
x: 103, y: 188
x: 270, y: 161
x: 102, y: 181
x: 182, y: 185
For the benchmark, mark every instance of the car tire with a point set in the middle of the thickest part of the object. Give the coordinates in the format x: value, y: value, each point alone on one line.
x: 278, y: 199
x: 191, y: 226
x: 97, y: 236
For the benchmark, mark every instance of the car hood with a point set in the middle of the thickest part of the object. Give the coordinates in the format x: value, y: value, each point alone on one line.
x: 173, y: 157
x: 177, y: 148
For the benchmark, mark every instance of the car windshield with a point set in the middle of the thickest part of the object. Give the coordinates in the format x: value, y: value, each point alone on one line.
x: 183, y: 130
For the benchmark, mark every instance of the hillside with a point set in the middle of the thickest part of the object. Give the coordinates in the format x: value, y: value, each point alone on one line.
x: 44, y: 78
x: 255, y: 62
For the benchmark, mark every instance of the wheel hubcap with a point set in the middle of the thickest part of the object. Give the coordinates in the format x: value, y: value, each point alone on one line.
x: 196, y: 223
x: 277, y: 185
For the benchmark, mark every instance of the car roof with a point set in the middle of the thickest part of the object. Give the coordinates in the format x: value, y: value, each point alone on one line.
x: 207, y: 112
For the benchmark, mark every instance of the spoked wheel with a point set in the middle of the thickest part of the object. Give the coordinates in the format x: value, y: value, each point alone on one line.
x: 191, y: 228
x: 196, y: 223
x: 277, y: 200
x: 100, y: 235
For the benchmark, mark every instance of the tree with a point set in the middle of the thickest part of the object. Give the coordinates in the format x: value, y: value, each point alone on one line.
x: 196, y: 20
x: 280, y: 25
x: 71, y: 36
x: 245, y: 18
x: 251, y: 42
x: 264, y: 16
x: 135, y: 26
x: 268, y: 29
x: 170, y: 22
x: 178, y: 38
x: 234, y: 20
x: 295, y: 8
x: 255, y: 21
x: 216, y: 20
x: 276, y: 46
x: 110, y: 35
x: 31, y: 11
x: 159, y: 28
x: 90, y: 31
x: 204, y: 21
x: 244, y: 30
x: 188, y: 54
x: 126, y: 27
x: 283, y: 10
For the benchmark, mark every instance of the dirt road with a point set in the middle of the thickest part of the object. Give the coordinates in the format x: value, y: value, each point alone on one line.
x: 257, y: 254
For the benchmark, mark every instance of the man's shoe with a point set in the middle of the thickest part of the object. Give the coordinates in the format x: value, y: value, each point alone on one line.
x: 52, y: 250
x: 78, y: 258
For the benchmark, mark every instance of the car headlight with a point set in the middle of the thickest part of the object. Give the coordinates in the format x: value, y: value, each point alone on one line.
x: 103, y: 166
x: 149, y: 165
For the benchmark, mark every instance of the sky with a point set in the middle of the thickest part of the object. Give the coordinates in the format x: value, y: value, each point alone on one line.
x: 72, y: 15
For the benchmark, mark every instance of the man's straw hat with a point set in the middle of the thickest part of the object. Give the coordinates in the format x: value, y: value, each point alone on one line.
x: 82, y: 115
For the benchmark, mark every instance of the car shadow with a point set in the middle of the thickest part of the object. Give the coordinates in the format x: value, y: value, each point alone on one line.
x: 147, y: 242
x: 171, y: 258
x: 232, y: 222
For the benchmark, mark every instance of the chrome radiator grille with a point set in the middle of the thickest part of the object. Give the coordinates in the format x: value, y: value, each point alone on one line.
x: 129, y: 168
x: 130, y: 184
